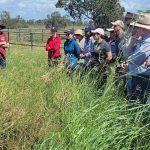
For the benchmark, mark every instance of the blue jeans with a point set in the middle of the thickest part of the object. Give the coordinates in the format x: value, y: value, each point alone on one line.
x: 71, y: 61
x: 140, y: 88
x: 129, y: 86
x: 2, y: 62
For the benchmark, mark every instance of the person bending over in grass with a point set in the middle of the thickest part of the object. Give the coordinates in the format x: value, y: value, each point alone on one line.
x: 53, y: 48
x: 3, y: 45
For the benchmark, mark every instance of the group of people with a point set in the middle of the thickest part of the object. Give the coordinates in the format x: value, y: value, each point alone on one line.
x: 128, y: 46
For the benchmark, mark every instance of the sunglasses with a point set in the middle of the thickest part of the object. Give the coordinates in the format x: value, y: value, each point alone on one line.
x: 95, y: 34
x: 67, y: 34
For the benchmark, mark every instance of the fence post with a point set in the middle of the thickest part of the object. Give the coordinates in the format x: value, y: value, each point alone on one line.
x: 42, y: 36
x: 19, y: 35
x: 31, y: 39
x: 8, y: 34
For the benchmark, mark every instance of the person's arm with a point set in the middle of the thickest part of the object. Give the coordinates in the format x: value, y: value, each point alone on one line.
x: 108, y: 56
x: 5, y: 44
x: 147, y: 62
x: 57, y: 45
x: 65, y: 50
x: 108, y: 52
x: 77, y: 49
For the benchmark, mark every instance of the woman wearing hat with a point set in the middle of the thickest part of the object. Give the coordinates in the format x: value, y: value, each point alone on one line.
x: 3, y: 45
x: 79, y: 36
x: 71, y: 50
x: 53, y: 48
x: 101, y: 52
x: 100, y: 56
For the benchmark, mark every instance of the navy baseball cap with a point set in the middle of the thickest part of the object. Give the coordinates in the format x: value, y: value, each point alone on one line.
x: 70, y: 31
x: 89, y: 28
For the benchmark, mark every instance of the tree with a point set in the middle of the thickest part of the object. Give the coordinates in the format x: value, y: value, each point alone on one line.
x: 100, y: 11
x: 6, y: 18
x: 55, y: 19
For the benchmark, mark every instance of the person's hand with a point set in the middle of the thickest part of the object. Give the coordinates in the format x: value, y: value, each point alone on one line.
x: 82, y: 48
x: 2, y: 43
x: 77, y: 40
x: 82, y: 56
x: 123, y: 66
x: 147, y: 63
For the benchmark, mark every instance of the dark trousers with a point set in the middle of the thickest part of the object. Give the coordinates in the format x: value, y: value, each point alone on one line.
x: 2, y: 62
x: 53, y: 61
x: 140, y: 88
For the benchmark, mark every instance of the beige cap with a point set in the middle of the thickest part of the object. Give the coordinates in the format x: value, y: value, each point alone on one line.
x: 118, y: 23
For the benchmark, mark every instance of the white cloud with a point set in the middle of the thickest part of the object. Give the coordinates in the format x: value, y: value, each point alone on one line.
x: 38, y: 9
x: 135, y: 5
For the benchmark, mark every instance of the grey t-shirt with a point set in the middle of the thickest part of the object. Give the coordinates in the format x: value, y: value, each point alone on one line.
x: 100, y: 50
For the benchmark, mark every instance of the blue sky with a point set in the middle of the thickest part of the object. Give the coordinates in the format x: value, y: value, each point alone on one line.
x: 38, y: 9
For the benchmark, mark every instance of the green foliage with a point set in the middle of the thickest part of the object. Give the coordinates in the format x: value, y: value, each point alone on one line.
x: 12, y: 23
x: 55, y: 19
x: 43, y: 108
x: 100, y: 11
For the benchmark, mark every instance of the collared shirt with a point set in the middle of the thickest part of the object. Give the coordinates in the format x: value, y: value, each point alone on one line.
x: 137, y: 59
x: 88, y: 47
x: 72, y: 47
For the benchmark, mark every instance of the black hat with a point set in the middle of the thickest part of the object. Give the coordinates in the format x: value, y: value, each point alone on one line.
x: 2, y: 25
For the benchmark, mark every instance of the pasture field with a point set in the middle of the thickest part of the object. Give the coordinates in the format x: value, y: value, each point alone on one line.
x: 43, y: 108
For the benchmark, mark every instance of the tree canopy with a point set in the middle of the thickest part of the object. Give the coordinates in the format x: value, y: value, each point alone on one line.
x: 100, y: 11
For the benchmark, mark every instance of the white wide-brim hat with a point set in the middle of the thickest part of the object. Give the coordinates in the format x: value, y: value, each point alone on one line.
x: 144, y: 22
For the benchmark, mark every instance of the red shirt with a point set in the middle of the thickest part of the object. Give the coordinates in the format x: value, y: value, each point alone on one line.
x: 3, y: 38
x: 53, y: 46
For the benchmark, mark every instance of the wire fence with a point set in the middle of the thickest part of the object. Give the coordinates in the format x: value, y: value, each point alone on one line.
x: 30, y: 37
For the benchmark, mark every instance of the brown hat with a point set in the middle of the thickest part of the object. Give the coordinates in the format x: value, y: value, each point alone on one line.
x: 131, y: 15
x: 143, y: 22
x: 2, y: 25
x: 79, y: 31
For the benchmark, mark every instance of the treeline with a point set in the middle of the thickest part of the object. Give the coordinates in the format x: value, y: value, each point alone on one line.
x: 54, y: 19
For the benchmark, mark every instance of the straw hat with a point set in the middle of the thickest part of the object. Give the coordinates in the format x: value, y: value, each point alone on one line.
x: 131, y: 15
x: 79, y: 31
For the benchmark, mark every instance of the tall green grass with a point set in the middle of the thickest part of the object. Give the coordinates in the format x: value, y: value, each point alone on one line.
x: 43, y: 108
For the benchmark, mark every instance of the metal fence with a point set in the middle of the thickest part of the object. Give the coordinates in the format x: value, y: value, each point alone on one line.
x: 30, y: 37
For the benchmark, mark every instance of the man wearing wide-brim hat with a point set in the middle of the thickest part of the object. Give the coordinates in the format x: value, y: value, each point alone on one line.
x: 138, y: 62
x: 129, y: 17
x: 3, y: 45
